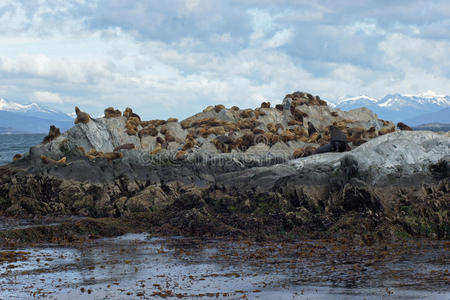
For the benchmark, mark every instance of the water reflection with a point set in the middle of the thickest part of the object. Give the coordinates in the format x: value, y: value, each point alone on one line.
x: 140, y: 266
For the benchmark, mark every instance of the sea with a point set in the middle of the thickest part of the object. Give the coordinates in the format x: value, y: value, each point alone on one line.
x: 11, y: 144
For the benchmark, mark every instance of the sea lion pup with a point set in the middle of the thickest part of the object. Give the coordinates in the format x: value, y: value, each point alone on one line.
x: 82, y: 117
x: 124, y: 147
x: 403, y: 126
x: 338, y: 142
x: 53, y: 133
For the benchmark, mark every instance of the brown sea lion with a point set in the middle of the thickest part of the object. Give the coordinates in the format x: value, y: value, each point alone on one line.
x: 151, y: 130
x: 17, y: 157
x: 265, y: 105
x: 180, y: 155
x: 386, y: 130
x: 128, y: 113
x: 157, y: 149
x: 53, y: 133
x: 125, y: 147
x: 48, y: 160
x: 82, y: 117
x: 218, y: 107
x: 111, y: 155
x: 403, y: 126
x: 110, y: 112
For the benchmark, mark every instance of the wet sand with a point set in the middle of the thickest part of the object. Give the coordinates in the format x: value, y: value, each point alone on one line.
x: 141, y: 266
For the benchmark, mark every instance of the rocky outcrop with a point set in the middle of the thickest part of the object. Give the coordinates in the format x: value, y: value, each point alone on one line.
x: 304, y: 123
x: 232, y: 171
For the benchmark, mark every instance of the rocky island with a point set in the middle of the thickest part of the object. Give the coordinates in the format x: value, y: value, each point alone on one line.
x: 269, y: 172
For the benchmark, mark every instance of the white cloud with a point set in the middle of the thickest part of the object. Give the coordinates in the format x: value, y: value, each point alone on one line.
x: 46, y: 97
x: 245, y: 52
x: 280, y: 38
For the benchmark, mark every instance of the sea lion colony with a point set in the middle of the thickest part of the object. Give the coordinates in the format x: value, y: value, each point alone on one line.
x: 301, y: 126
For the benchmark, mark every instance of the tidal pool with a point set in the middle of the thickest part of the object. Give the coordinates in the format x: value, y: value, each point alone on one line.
x: 140, y: 266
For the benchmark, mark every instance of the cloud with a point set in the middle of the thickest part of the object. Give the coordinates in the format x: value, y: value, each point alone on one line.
x: 46, y: 97
x: 175, y: 57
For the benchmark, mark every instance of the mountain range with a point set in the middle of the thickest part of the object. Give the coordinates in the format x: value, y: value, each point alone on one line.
x: 410, y: 109
x: 413, y: 110
x: 31, y: 118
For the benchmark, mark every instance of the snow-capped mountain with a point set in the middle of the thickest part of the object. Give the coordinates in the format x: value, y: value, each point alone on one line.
x: 33, y: 118
x: 34, y: 110
x: 398, y: 107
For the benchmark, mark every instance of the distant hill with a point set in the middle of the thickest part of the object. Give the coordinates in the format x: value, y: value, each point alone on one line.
x: 433, y: 127
x: 442, y: 116
x: 396, y: 107
x: 31, y: 118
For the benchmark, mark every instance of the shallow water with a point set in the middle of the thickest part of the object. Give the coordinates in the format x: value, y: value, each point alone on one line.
x: 141, y: 266
x: 11, y: 144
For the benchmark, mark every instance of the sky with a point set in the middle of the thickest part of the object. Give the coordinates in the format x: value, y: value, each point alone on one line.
x: 173, y: 58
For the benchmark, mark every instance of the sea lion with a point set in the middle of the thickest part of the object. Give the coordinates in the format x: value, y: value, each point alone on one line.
x: 234, y: 108
x: 225, y: 139
x: 172, y: 120
x: 303, y: 152
x: 265, y: 105
x: 48, y: 160
x: 169, y: 138
x: 180, y: 155
x: 17, y: 157
x: 128, y: 113
x: 403, y: 126
x: 311, y: 128
x: 246, y: 113
x: 334, y: 114
x: 338, y: 142
x: 279, y: 107
x: 314, y: 137
x: 298, y: 114
x: 151, y: 130
x: 157, y: 149
x: 208, y: 109
x: 111, y: 155
x: 53, y: 133
x: 219, y: 107
x: 124, y: 147
x: 338, y: 139
x: 110, y: 112
x: 386, y: 130
x: 185, y: 124
x: 82, y: 117
x: 217, y: 130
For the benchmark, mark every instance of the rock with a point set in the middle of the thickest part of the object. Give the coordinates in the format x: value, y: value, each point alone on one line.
x: 358, y: 196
